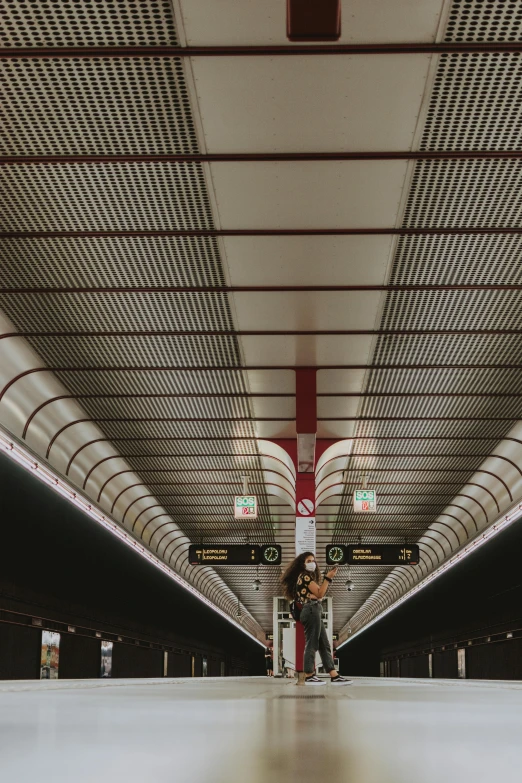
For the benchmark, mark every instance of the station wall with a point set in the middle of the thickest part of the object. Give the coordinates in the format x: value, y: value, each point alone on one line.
x: 59, y: 571
x: 469, y: 621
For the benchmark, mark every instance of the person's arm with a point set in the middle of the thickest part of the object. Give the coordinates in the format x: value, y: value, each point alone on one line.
x: 319, y: 592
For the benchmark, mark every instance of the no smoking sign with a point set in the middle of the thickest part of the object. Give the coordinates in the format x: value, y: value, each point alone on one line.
x: 306, y: 507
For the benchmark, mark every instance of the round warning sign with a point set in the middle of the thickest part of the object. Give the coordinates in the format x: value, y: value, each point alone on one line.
x: 306, y: 507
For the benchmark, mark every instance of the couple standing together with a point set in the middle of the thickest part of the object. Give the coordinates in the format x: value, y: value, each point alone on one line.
x: 302, y: 584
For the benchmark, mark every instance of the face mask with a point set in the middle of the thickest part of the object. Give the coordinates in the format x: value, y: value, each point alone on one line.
x: 310, y: 566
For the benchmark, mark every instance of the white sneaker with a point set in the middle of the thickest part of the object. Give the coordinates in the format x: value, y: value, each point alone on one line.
x: 340, y: 680
x: 314, y: 681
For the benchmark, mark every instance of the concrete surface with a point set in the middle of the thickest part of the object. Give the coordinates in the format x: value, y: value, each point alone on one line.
x: 257, y: 730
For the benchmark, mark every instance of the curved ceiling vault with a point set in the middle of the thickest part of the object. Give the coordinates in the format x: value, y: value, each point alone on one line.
x: 65, y: 435
x: 162, y: 301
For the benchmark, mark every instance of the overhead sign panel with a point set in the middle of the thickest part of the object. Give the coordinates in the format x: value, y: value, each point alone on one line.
x: 245, y: 506
x: 372, y: 554
x: 364, y: 501
x: 384, y: 554
x: 235, y: 554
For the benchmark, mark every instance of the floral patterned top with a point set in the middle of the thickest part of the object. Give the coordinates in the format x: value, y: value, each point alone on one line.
x: 301, y: 588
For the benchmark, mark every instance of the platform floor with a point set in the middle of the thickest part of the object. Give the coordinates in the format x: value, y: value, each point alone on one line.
x: 257, y: 730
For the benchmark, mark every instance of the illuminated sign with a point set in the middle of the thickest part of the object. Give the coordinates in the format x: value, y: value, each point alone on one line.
x: 245, y: 506
x: 372, y: 554
x: 235, y: 554
x: 364, y: 501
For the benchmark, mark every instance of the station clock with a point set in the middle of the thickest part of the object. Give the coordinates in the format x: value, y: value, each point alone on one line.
x: 271, y: 554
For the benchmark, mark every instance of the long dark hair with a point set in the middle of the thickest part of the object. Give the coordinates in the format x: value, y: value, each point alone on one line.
x: 290, y: 576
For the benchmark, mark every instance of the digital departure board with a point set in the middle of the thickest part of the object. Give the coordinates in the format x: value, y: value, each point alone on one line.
x: 235, y: 554
x: 372, y: 554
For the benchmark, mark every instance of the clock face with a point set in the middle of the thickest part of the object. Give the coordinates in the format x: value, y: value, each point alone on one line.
x: 335, y: 554
x: 271, y: 554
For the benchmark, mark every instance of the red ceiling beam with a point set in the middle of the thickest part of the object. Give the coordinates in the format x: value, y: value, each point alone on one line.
x: 480, y: 395
x: 271, y: 368
x: 262, y: 395
x: 227, y: 439
x: 256, y: 289
x: 167, y: 438
x: 446, y: 470
x: 261, y: 232
x: 244, y: 395
x: 395, y: 455
x: 178, y: 420
x: 66, y: 52
x: 259, y: 333
x: 262, y: 157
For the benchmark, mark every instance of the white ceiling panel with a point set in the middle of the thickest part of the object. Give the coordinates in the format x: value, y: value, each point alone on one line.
x: 307, y: 260
x: 335, y: 429
x: 308, y: 351
x: 323, y: 104
x: 337, y: 406
x: 250, y: 22
x: 340, y: 380
x: 275, y: 429
x: 307, y: 310
x: 324, y: 194
x: 264, y: 407
x: 272, y: 381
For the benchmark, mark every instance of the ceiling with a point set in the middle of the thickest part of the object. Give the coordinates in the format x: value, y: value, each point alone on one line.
x: 155, y: 400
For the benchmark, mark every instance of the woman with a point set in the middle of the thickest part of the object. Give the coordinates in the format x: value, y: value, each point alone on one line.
x: 301, y: 583
x: 269, y: 662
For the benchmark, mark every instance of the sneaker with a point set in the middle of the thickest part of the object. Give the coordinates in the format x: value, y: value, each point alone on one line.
x: 313, y: 680
x: 340, y: 680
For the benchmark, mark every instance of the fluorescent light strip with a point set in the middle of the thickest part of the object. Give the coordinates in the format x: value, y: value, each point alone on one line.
x: 27, y: 460
x: 497, y: 527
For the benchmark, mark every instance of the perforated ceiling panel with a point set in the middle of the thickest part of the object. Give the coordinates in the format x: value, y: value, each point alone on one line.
x: 106, y: 105
x: 125, y: 196
x: 459, y: 259
x: 163, y: 381
x: 100, y: 106
x: 484, y: 20
x: 87, y: 23
x: 103, y: 261
x: 125, y: 312
x: 475, y: 104
x: 138, y: 351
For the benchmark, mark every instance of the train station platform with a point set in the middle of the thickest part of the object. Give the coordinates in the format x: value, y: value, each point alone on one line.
x: 257, y: 730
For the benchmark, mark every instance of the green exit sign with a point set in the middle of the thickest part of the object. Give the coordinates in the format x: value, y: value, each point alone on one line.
x: 245, y: 506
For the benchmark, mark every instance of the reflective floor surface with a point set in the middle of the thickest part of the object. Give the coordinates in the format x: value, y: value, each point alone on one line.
x: 255, y: 730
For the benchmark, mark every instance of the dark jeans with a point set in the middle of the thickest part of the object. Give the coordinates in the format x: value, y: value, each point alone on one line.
x: 315, y: 638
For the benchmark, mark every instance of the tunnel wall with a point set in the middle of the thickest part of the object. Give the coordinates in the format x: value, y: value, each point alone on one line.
x: 60, y: 571
x: 476, y: 607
